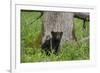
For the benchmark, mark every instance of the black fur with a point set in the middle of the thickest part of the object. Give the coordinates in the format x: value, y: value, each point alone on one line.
x: 52, y: 44
x: 46, y: 45
x: 56, y: 38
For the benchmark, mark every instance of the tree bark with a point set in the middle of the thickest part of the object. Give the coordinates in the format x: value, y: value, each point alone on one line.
x: 58, y: 22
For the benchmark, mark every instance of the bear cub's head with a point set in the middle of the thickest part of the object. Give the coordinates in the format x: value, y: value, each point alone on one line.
x: 56, y: 35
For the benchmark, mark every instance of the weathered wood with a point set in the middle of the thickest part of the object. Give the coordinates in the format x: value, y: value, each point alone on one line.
x: 58, y: 22
x: 57, y: 28
x: 83, y: 16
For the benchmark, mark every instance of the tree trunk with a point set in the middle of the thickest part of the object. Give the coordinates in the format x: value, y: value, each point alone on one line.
x: 58, y: 27
x: 58, y: 22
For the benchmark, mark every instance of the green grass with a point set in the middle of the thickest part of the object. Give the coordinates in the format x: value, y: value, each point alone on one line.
x: 31, y: 41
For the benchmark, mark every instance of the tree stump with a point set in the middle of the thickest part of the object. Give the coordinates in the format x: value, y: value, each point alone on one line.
x: 57, y: 22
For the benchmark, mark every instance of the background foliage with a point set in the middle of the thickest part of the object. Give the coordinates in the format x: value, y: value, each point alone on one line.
x: 31, y: 41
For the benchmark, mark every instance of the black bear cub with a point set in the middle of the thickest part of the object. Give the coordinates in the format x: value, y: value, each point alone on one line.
x: 52, y: 44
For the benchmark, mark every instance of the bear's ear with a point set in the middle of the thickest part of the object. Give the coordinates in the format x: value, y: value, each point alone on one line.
x: 52, y: 32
